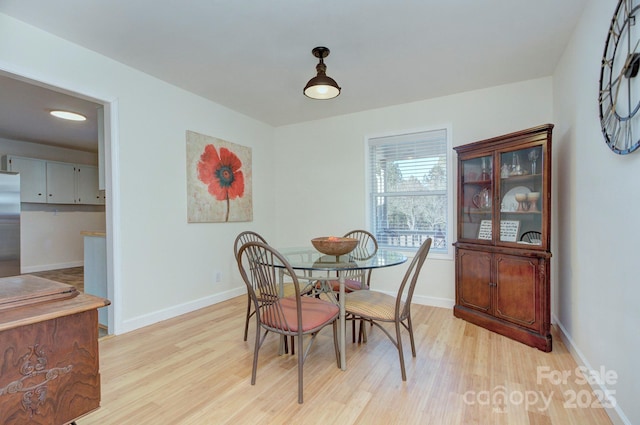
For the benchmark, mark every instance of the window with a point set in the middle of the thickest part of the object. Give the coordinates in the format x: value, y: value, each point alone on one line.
x: 409, y: 190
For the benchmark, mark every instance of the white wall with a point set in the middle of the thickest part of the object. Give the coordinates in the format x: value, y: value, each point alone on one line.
x: 320, y: 184
x: 162, y: 266
x: 50, y: 234
x: 597, y: 199
x: 52, y: 239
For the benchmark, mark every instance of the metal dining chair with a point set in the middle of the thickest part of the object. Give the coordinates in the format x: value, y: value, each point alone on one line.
x: 241, y: 239
x: 379, y: 308
x: 356, y: 280
x: 366, y: 248
x: 294, y: 316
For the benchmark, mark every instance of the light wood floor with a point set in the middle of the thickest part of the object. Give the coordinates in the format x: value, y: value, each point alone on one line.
x: 196, y: 369
x: 72, y: 276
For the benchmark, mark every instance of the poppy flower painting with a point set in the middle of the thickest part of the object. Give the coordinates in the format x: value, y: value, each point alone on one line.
x: 222, y: 174
x: 219, y: 180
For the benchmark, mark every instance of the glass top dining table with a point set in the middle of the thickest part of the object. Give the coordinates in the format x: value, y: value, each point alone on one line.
x: 309, y: 260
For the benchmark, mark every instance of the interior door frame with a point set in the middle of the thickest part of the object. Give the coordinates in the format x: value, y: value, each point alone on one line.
x: 111, y: 180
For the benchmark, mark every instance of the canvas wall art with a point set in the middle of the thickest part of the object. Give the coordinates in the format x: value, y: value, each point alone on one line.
x: 218, y: 180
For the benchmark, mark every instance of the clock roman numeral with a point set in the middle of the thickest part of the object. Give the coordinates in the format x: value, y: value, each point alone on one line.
x: 609, y: 124
x: 625, y: 136
x: 627, y: 8
x: 605, y: 91
x: 615, y: 32
x: 605, y: 97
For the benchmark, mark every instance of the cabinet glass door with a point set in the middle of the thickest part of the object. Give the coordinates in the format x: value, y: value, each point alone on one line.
x: 521, y: 196
x: 477, y: 196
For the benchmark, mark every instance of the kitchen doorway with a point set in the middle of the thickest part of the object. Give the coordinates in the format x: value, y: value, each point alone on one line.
x: 26, y: 101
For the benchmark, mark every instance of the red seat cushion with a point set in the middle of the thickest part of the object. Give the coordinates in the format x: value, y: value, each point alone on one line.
x: 315, y: 313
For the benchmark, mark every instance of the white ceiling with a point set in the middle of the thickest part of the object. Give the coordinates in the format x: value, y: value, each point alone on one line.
x: 24, y: 115
x: 255, y: 56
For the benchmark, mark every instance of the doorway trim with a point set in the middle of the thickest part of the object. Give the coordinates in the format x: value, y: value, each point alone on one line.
x: 112, y: 181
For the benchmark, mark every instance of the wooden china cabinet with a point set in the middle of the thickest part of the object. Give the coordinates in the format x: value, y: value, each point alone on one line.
x: 504, y: 225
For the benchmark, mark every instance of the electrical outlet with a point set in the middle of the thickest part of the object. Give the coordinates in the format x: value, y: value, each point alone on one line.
x: 218, y: 277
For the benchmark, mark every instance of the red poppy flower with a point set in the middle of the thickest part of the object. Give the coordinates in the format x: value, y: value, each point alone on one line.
x: 221, y: 174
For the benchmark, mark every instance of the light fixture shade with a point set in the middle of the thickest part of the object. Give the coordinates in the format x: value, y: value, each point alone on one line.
x: 68, y: 115
x: 321, y: 86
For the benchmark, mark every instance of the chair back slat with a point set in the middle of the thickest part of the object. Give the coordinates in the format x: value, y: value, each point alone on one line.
x: 367, y: 244
x: 366, y: 248
x: 245, y: 237
x: 408, y: 285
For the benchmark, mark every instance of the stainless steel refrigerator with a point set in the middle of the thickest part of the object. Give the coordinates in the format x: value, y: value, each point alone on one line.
x: 9, y: 224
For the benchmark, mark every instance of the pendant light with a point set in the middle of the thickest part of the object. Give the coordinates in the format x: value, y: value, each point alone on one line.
x: 321, y: 86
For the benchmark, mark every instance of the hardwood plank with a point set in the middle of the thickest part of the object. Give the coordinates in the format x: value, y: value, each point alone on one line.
x: 73, y: 276
x: 196, y: 369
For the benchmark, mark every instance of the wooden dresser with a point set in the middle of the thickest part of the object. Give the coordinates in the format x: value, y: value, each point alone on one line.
x: 49, y: 370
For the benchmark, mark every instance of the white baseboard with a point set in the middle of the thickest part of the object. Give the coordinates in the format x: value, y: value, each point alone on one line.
x: 615, y: 413
x: 434, y: 302
x: 47, y: 267
x: 178, y: 310
x: 422, y: 300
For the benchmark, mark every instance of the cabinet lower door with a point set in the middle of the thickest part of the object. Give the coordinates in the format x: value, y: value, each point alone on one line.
x: 516, y: 294
x: 474, y: 280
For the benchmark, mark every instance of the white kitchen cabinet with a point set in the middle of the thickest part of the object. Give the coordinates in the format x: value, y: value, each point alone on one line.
x: 87, y: 191
x: 61, y: 183
x: 55, y: 182
x: 33, y: 178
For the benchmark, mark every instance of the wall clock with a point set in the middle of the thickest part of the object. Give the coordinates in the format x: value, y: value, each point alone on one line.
x: 619, y: 97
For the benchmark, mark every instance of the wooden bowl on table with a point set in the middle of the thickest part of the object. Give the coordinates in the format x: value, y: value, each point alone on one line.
x: 333, y: 245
